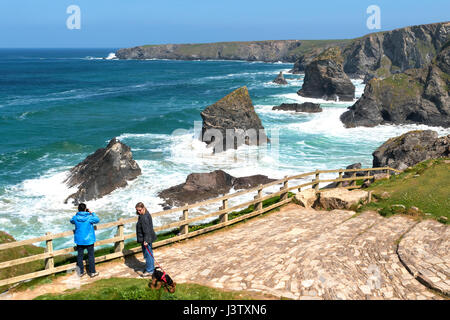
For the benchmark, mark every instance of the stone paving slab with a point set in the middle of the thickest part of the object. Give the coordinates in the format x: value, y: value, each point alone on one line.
x: 295, y: 253
x: 425, y: 252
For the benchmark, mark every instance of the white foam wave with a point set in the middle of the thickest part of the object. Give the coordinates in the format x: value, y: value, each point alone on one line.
x: 111, y: 56
x: 242, y: 74
x: 294, y: 97
x: 359, y: 87
x: 93, y: 58
x: 328, y: 123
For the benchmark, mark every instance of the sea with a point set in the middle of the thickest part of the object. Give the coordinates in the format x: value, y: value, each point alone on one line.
x: 57, y: 106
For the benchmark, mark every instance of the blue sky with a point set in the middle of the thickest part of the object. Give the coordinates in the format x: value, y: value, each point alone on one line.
x: 112, y: 24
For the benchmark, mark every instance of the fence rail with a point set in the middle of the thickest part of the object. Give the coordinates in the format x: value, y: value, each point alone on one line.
x: 119, y: 239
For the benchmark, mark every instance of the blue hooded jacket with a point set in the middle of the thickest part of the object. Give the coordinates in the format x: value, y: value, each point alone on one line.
x: 84, y: 227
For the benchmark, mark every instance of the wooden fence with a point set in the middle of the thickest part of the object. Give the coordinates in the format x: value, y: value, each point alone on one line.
x: 119, y: 239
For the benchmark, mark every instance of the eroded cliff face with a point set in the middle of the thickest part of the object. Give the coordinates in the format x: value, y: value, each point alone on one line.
x: 267, y: 51
x: 384, y: 53
x: 418, y: 96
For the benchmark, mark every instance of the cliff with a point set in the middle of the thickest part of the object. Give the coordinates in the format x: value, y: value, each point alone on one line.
x: 384, y: 53
x: 418, y: 96
x: 267, y: 51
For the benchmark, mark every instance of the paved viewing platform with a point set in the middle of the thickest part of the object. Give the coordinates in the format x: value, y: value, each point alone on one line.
x: 300, y: 253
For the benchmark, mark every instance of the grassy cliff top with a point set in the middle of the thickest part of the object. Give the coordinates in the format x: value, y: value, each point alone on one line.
x: 233, y: 46
x: 424, y: 186
x: 333, y: 53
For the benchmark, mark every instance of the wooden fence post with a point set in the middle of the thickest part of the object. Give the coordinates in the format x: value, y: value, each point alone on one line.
x: 367, y: 175
x: 316, y: 185
x: 353, y: 182
x: 49, y: 262
x: 184, y: 229
x: 259, y: 205
x: 119, y: 246
x: 224, y: 217
x: 284, y: 196
x: 339, y: 184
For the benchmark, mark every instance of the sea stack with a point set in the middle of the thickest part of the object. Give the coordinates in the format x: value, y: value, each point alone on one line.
x: 231, y: 122
x: 102, y: 172
x: 325, y: 78
x: 280, y: 79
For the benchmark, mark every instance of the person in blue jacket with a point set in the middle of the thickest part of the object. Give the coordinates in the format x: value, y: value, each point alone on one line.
x: 84, y: 238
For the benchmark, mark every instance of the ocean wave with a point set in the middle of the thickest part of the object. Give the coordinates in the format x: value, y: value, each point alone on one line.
x: 111, y: 56
x: 359, y: 87
x: 242, y: 74
x: 294, y: 97
x: 328, y: 124
x: 79, y: 94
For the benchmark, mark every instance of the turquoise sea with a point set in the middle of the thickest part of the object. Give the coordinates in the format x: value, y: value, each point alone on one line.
x: 59, y: 105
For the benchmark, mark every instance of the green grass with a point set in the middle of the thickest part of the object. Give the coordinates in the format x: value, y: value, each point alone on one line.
x: 21, y: 252
x: 333, y: 53
x: 233, y: 48
x: 137, y: 289
x: 425, y: 186
x: 309, y: 45
x: 401, y: 86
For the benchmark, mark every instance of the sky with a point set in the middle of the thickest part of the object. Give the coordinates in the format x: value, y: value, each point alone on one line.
x: 127, y: 23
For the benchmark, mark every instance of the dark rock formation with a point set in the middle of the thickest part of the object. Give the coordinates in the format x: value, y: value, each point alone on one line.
x: 280, y: 79
x: 411, y: 148
x: 299, y: 107
x: 267, y: 51
x: 306, y: 58
x: 231, y: 122
x: 325, y: 78
x: 203, y: 186
x: 415, y: 96
x: 381, y: 54
x: 348, y: 175
x: 102, y: 172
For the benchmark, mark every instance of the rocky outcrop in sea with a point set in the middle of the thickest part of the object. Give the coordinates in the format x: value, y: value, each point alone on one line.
x: 203, y: 186
x: 325, y: 78
x: 103, y: 172
x: 280, y: 79
x: 418, y: 96
x: 411, y: 148
x: 231, y: 122
x: 308, y: 107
